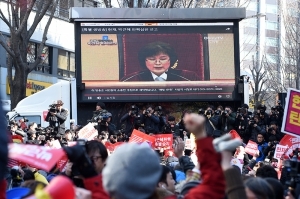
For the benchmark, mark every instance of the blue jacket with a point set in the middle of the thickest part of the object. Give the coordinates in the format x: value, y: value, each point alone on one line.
x: 261, y: 148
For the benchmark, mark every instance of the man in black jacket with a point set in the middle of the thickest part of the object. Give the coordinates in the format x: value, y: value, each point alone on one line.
x: 150, y: 120
x: 132, y: 119
x: 57, y: 117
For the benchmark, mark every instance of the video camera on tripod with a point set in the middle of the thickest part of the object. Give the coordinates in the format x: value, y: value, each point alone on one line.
x: 102, y: 115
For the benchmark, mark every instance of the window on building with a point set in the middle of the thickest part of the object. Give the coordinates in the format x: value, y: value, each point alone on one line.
x: 32, y: 55
x: 72, y: 62
x: 31, y: 52
x: 252, y: 6
x: 271, y: 9
x: 66, y: 63
x: 271, y: 41
x: 271, y: 25
x: 45, y: 56
x: 62, y: 61
x: 251, y: 22
x: 272, y: 58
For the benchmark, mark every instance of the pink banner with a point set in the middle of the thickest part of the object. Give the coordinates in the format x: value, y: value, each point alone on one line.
x: 291, y: 118
x: 251, y: 148
x: 37, y: 156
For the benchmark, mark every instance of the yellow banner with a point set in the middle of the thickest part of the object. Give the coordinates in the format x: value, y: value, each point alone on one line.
x: 32, y: 86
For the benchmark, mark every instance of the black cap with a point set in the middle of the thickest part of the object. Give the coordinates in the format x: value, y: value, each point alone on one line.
x: 101, y: 104
x: 171, y: 118
x: 245, y: 106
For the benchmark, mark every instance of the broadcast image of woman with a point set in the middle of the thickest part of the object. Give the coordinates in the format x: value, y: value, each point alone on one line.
x: 159, y: 60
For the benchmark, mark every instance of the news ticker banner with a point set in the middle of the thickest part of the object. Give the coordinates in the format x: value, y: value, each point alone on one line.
x: 291, y: 118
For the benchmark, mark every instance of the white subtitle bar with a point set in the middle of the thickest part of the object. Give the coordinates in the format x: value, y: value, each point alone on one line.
x: 156, y: 24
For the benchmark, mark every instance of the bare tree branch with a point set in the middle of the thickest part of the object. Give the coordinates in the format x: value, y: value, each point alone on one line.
x: 42, y: 44
x: 38, y: 18
x: 3, y: 18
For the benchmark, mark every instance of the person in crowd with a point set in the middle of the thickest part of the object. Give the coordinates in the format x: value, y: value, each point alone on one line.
x: 274, y: 131
x: 97, y: 153
x: 227, y: 120
x: 171, y: 127
x: 277, y: 187
x: 68, y: 136
x: 159, y: 60
x: 182, y: 130
x: 166, y: 180
x: 255, y: 127
x: 264, y: 117
x: 262, y: 145
x: 132, y: 119
x: 212, y: 122
x: 150, y: 121
x: 241, y: 123
x: 267, y: 171
x: 258, y: 188
x: 22, y: 125
x: 57, y: 117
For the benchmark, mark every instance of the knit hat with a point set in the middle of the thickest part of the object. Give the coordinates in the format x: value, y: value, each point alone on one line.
x: 132, y: 171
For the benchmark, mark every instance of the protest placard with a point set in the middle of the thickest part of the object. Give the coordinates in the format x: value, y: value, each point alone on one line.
x: 279, y: 151
x: 251, y: 148
x: 88, y: 132
x: 188, y: 144
x: 163, y: 141
x: 291, y: 118
x: 111, y: 147
x: 234, y: 134
x: 139, y: 137
x: 37, y: 156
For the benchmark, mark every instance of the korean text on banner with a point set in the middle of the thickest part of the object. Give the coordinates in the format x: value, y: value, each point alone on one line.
x: 88, y: 132
x: 163, y: 141
x: 291, y: 118
x: 251, y: 148
x: 279, y: 151
x: 38, y: 156
x: 292, y: 142
x: 111, y: 147
x: 139, y: 137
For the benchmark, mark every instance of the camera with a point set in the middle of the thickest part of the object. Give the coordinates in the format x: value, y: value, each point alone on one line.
x: 252, y: 122
x: 225, y: 113
x: 147, y: 112
x: 52, y: 108
x: 208, y: 113
x: 134, y: 110
x: 103, y: 116
x: 159, y: 110
x: 201, y: 111
x: 138, y: 121
x: 217, y: 112
x: 271, y: 129
x: 168, y: 128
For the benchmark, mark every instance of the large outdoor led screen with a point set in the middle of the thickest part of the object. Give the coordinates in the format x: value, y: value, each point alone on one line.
x: 157, y: 61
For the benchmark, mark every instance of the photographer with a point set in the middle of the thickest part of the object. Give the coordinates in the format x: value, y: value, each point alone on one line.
x: 264, y: 117
x: 132, y: 120
x: 274, y: 132
x: 276, y: 114
x: 103, y: 118
x: 150, y: 120
x: 57, y: 116
x: 171, y: 127
x: 17, y: 135
x: 241, y: 123
x: 211, y: 125
x: 255, y: 127
x: 227, y: 120
x: 162, y: 118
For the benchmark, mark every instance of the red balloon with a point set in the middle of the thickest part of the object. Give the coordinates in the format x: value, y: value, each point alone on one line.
x: 61, y: 187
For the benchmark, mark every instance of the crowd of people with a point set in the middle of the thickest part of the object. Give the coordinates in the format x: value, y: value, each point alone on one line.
x: 135, y: 170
